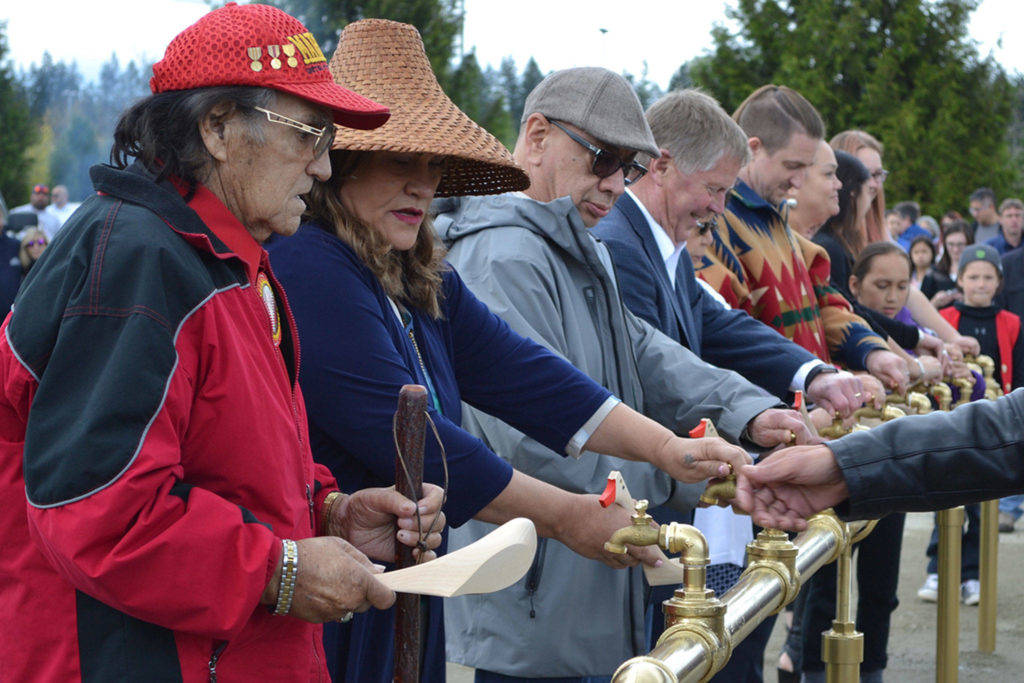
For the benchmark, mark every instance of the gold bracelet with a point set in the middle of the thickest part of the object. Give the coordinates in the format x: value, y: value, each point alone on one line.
x: 328, y: 508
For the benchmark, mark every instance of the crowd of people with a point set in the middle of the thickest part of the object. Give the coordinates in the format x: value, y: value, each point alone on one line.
x: 184, y: 499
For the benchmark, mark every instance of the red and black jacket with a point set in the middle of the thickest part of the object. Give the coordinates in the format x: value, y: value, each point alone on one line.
x: 154, y: 450
x: 1007, y: 334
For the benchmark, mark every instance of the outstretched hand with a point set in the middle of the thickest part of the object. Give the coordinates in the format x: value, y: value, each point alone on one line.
x: 775, y: 427
x: 693, y: 460
x: 789, y: 486
x: 590, y: 525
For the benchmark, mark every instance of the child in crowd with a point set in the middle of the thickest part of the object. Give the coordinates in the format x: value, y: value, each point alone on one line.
x: 979, y: 277
x: 922, y: 256
x: 997, y: 330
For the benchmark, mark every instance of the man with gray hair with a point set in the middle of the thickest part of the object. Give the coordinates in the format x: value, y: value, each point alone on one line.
x: 531, y: 258
x: 701, y: 152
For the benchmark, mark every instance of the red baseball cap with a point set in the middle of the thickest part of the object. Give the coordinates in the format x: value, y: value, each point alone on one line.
x: 259, y: 45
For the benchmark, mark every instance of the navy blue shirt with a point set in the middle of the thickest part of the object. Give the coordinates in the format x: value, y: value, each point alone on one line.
x: 355, y: 356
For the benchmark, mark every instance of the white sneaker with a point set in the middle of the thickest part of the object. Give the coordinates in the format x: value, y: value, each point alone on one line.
x: 929, y: 592
x: 970, y: 591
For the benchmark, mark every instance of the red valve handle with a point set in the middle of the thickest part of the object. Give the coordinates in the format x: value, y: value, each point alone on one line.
x: 608, y: 497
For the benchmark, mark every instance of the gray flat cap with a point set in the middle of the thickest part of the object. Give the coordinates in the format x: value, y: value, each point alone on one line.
x: 598, y: 101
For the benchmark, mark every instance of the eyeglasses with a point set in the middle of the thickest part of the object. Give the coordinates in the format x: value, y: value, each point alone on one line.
x: 606, y: 163
x: 36, y: 243
x: 880, y: 175
x: 324, y: 136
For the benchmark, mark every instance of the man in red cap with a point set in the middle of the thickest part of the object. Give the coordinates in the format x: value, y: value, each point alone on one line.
x: 161, y: 516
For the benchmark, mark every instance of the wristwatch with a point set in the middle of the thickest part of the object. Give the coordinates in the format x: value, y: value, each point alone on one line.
x: 815, y: 371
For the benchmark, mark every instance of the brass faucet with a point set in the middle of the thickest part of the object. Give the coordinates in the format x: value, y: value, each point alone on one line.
x: 988, y: 369
x: 640, y: 532
x: 966, y: 387
x: 888, y: 412
x: 914, y: 400
x: 719, y: 491
x: 939, y: 391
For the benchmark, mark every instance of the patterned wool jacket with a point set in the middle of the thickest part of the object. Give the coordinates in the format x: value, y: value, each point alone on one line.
x: 782, y: 279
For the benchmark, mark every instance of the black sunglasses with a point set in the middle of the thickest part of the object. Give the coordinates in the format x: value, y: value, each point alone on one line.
x: 606, y: 163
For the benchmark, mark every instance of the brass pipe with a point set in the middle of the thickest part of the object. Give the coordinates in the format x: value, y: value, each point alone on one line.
x: 914, y: 400
x: 692, y: 648
x: 988, y: 569
x: 947, y: 646
x: 888, y: 412
x: 842, y: 646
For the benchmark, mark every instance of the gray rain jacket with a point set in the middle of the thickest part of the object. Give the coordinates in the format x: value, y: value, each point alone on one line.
x: 537, y: 266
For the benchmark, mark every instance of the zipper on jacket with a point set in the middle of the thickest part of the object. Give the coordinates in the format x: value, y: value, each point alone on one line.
x: 533, y: 576
x: 312, y: 519
x: 214, y: 658
x: 590, y: 294
x: 598, y: 271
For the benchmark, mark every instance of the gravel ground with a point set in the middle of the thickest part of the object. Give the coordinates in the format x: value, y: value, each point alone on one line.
x: 912, y: 642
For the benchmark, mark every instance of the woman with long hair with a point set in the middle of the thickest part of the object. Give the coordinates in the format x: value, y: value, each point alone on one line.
x: 868, y: 151
x: 842, y: 238
x: 940, y: 284
x: 377, y: 307
x: 33, y: 243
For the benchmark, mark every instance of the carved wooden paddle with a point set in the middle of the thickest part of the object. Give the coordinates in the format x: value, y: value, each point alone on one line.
x: 496, y: 561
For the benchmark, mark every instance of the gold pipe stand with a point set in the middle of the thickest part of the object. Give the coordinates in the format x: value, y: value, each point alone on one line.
x: 947, y: 645
x: 842, y: 647
x: 988, y: 569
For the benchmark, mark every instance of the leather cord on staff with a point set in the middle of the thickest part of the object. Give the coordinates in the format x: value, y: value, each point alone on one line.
x: 422, y: 543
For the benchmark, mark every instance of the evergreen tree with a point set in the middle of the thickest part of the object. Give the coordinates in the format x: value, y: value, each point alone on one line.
x: 681, y: 78
x: 904, y: 70
x: 468, y: 87
x: 17, y: 133
x: 531, y: 78
x: 438, y: 21
x: 514, y: 95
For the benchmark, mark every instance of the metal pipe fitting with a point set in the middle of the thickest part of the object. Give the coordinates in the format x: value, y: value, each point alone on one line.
x: 694, y: 647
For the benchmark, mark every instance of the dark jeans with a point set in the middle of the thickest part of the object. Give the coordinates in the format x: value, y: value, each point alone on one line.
x: 794, y: 645
x: 970, y: 545
x: 878, y: 568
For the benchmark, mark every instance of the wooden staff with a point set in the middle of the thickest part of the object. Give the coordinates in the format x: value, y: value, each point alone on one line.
x: 409, y: 431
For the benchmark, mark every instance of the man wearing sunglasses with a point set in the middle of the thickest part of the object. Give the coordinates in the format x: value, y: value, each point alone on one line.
x: 531, y: 258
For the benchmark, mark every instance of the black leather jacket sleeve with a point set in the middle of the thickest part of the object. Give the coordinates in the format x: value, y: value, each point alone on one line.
x: 936, y: 461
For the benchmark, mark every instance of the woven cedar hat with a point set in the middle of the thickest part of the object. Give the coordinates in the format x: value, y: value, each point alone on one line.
x: 385, y: 61
x: 259, y: 45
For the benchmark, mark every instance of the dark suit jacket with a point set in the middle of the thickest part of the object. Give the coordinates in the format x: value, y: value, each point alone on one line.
x: 727, y: 338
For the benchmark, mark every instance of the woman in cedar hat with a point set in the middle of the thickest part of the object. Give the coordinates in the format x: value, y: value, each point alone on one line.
x: 377, y: 307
